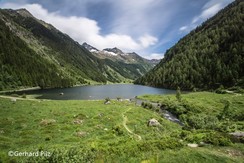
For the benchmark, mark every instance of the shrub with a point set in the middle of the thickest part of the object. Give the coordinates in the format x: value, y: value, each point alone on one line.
x: 178, y: 94
x: 107, y: 99
x: 143, y: 104
x: 24, y: 95
x: 217, y: 138
x: 118, y: 130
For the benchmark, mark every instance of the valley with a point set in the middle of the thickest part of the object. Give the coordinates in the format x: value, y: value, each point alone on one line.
x: 63, y: 99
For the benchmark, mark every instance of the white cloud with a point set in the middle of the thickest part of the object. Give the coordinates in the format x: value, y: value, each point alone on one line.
x: 207, y: 13
x: 87, y: 30
x: 147, y: 40
x: 183, y: 28
x: 143, y: 16
x: 208, y: 10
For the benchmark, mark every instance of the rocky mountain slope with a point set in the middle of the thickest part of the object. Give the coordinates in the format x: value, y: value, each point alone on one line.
x: 116, y: 54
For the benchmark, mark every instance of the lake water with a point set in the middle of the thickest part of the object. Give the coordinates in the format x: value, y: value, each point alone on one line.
x: 125, y: 91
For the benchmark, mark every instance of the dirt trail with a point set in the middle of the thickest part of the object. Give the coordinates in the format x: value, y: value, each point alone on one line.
x: 125, y: 119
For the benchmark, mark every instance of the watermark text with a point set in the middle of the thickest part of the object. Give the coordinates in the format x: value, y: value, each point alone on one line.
x: 29, y: 154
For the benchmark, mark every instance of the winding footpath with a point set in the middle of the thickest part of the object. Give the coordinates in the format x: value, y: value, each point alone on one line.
x: 125, y: 119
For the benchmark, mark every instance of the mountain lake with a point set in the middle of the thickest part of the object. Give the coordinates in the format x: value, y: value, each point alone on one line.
x: 96, y: 92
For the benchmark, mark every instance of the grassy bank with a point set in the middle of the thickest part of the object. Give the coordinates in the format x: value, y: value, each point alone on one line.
x: 83, y: 131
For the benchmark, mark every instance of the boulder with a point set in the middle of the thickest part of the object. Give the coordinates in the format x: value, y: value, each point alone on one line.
x: 77, y: 121
x: 192, y: 145
x: 47, y: 122
x: 237, y: 134
x: 153, y: 122
x: 107, y: 102
x: 13, y: 100
x: 80, y: 134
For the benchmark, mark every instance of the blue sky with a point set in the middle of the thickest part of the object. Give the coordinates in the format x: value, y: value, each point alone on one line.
x: 147, y: 27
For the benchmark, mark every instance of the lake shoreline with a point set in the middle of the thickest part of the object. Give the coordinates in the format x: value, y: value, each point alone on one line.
x: 20, y: 90
x: 91, y: 92
x: 39, y: 88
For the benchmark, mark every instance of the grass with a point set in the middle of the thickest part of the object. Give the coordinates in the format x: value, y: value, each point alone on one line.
x: 208, y: 102
x: 90, y: 131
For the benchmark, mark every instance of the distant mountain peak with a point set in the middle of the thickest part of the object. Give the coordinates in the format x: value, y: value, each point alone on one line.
x: 89, y: 47
x: 114, y: 50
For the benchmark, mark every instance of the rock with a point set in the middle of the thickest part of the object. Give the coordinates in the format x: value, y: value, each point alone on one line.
x: 13, y: 100
x: 61, y: 93
x: 101, y: 115
x: 192, y: 145
x: 77, y: 121
x: 153, y: 122
x: 80, y: 134
x: 107, y: 102
x: 201, y: 144
x: 47, y: 121
x: 105, y: 129
x: 237, y: 134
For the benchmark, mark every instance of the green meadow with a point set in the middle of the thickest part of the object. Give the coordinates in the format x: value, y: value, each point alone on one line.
x: 90, y: 131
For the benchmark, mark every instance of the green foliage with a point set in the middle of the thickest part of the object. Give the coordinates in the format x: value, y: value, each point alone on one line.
x: 178, y: 94
x: 217, y: 138
x: 21, y: 66
x: 24, y: 95
x: 148, y: 105
x: 209, y: 56
x: 226, y: 110
x: 118, y: 130
x: 205, y: 110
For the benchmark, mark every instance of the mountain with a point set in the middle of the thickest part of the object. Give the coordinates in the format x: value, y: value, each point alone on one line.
x: 89, y: 47
x: 116, y: 54
x: 113, y: 51
x: 208, y: 57
x: 34, y: 53
x: 120, y: 66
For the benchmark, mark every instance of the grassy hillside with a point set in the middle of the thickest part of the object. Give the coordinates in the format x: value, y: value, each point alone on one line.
x: 205, y: 110
x: 209, y: 56
x: 90, y: 131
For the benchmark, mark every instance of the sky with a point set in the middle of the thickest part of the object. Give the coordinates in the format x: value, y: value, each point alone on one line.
x: 147, y: 27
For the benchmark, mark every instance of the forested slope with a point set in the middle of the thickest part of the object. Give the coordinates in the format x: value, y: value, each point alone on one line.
x: 34, y: 53
x: 208, y: 57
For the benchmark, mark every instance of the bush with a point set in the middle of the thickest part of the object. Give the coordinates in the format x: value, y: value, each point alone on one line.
x: 107, y: 99
x: 118, y: 130
x: 178, y: 94
x: 24, y: 95
x: 201, y: 121
x: 217, y: 138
